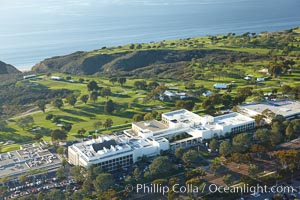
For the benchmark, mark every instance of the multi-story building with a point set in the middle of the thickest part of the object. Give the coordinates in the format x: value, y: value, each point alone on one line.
x: 180, y: 128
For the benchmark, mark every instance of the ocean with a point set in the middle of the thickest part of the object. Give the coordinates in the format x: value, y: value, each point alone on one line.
x: 32, y: 30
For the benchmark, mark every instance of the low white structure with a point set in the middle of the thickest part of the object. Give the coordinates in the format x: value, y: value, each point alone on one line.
x: 169, y: 95
x: 260, y: 79
x: 248, y: 78
x: 220, y: 86
x: 207, y: 93
x: 180, y: 128
x: 56, y: 78
x: 29, y: 76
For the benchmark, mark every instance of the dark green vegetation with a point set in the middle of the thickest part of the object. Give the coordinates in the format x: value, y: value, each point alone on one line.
x: 109, y: 88
x: 162, y: 63
x: 7, y: 69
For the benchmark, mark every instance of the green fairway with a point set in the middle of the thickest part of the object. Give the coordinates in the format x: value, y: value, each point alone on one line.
x: 130, y: 101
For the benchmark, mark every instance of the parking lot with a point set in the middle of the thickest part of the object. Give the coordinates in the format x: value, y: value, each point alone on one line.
x: 37, y: 183
x: 29, y: 157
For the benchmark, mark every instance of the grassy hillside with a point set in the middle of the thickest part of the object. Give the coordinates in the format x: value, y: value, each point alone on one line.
x: 130, y: 59
x: 201, y: 61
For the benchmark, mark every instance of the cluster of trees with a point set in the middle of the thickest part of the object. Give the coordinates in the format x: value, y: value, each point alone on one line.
x: 95, y: 92
x: 283, y: 67
x: 189, y: 157
x: 71, y: 99
x: 25, y: 122
x: 145, y: 116
x: 120, y: 80
x: 185, y: 104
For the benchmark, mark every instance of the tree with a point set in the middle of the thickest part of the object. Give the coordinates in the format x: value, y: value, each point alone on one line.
x: 225, y: 148
x: 92, y: 86
x: 152, y: 85
x: 259, y: 120
x: 60, y: 150
x: 66, y: 127
x: 108, y: 123
x: 56, y: 194
x: 191, y: 157
x: 286, y: 89
x: 60, y: 173
x: 113, y: 80
x: 228, y: 179
x: 84, y: 98
x: 3, y: 191
x: 268, y: 113
x: 103, y: 182
x: 58, y: 135
x: 97, y: 124
x: 179, y: 152
x: 226, y: 100
x: 3, y: 125
x: 258, y: 149
x: 22, y: 179
x: 137, y: 174
x: 81, y: 131
x: 76, y: 172
x: 105, y: 92
x: 122, y: 81
x: 161, y: 165
x: 216, y: 164
x: 141, y: 85
x: 94, y: 96
x: 148, y: 116
x: 58, y: 103
x: 108, y: 195
x: 49, y: 116
x: 241, y: 142
x: 88, y: 186
x: 138, y: 117
x: 71, y: 99
x: 275, y: 69
x: 109, y: 106
x: 38, y: 136
x: 42, y: 105
x: 128, y: 179
x: 25, y: 122
x: 254, y: 170
x: 187, y: 104
x: 40, y: 196
x: 64, y: 162
x: 289, y: 131
x: 173, y: 181
x: 213, y: 145
x: 288, y: 158
x: 262, y: 135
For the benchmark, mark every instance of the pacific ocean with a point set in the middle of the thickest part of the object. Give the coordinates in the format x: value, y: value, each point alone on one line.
x: 33, y: 30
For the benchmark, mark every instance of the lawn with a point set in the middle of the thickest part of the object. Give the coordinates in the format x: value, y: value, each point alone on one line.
x: 130, y: 100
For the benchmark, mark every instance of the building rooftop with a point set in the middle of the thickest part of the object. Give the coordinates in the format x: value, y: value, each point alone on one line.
x: 231, y: 119
x: 283, y: 107
x: 151, y: 125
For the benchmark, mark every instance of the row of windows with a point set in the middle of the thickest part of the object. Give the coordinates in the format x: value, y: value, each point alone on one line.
x: 125, y: 158
x: 115, y: 166
x: 242, y: 128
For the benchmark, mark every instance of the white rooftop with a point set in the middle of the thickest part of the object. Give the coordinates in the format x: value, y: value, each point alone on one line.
x: 284, y: 107
x: 231, y: 119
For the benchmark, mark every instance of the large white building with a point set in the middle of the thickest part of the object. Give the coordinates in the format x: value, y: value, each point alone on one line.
x: 180, y: 128
x: 287, y: 108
